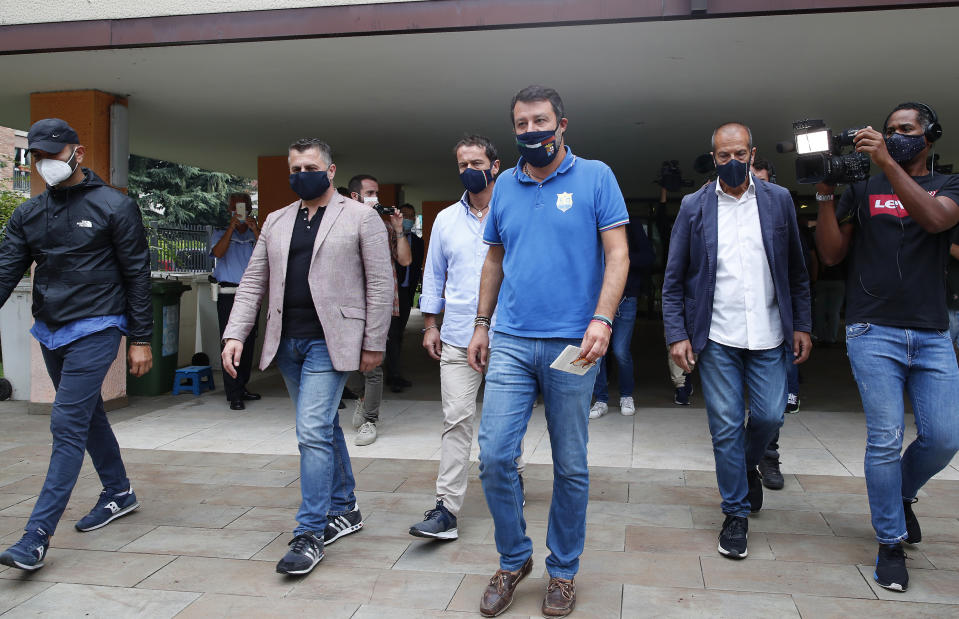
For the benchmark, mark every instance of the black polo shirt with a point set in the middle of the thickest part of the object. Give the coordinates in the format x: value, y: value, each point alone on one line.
x: 299, y: 312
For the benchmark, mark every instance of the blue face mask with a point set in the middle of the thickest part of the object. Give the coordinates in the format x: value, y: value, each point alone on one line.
x: 310, y: 185
x: 408, y: 225
x: 538, y: 148
x: 476, y: 181
x: 734, y: 172
x: 903, y: 148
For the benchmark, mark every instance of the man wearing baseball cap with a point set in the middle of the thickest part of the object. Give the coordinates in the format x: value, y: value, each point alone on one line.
x: 91, y: 286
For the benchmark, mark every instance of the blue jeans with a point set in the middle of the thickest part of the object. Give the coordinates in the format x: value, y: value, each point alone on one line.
x: 518, y: 372
x: 619, y: 342
x: 954, y: 326
x: 738, y: 447
x: 78, y: 422
x: 326, y: 477
x: 885, y: 360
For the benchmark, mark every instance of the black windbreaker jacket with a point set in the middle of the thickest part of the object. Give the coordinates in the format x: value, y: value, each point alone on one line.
x: 91, y: 253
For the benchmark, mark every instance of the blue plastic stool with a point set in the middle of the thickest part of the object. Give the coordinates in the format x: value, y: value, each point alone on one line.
x: 195, y: 378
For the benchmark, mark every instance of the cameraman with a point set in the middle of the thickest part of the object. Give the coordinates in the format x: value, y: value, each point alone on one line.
x: 896, y: 318
x: 365, y: 188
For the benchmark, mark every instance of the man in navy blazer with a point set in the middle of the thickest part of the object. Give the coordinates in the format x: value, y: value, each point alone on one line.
x: 736, y: 294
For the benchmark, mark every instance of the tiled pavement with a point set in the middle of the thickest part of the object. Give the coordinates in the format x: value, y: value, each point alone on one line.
x: 219, y: 491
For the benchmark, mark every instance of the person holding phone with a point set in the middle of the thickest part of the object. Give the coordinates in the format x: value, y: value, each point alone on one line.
x: 232, y: 247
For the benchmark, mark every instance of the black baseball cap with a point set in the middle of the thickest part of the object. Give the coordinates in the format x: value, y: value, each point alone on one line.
x: 51, y: 135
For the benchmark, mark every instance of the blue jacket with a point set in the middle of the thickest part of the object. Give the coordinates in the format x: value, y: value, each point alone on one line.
x: 690, y: 279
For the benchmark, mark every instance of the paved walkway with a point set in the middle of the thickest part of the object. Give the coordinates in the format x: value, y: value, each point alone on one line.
x: 219, y: 491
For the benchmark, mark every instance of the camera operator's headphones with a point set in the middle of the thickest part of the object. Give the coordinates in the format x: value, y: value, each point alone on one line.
x: 933, y: 130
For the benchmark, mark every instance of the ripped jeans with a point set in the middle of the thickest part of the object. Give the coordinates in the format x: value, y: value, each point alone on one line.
x: 886, y: 360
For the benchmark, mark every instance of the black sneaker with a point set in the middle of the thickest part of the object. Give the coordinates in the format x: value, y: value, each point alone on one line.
x: 109, y: 507
x: 755, y: 495
x: 772, y: 477
x: 306, y: 550
x: 438, y: 523
x: 891, y: 568
x: 913, y: 532
x: 792, y: 404
x: 682, y: 394
x: 732, y: 539
x: 28, y: 553
x: 338, y: 526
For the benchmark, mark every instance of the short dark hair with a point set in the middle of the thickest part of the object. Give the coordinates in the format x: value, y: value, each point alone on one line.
x: 712, y: 140
x: 925, y: 117
x: 472, y: 139
x: 304, y: 144
x: 356, y: 183
x: 409, y: 206
x: 538, y: 93
x: 343, y: 191
x: 761, y: 164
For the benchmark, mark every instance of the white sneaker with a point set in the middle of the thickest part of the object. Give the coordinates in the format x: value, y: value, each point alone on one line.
x: 359, y: 414
x: 366, y: 434
x: 599, y: 409
x: 626, y: 406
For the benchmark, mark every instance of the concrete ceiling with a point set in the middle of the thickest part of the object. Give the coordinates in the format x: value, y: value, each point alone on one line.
x: 635, y: 93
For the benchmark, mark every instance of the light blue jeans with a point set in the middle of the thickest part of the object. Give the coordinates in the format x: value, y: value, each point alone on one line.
x: 518, y: 372
x: 886, y: 360
x: 326, y: 477
x: 619, y: 342
x: 738, y: 446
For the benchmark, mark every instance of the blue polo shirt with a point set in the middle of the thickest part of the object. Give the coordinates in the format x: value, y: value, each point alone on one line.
x: 553, y: 263
x: 231, y: 266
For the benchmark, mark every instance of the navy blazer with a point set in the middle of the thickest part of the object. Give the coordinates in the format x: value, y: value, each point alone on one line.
x: 690, y: 279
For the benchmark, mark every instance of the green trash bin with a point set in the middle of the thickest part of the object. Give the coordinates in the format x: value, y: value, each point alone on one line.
x: 166, y: 340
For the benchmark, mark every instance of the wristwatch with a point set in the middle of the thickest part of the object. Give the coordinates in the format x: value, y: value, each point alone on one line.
x: 139, y: 343
x: 825, y: 197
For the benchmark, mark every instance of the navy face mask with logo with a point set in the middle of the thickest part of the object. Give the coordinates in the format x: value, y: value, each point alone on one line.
x: 476, y: 181
x: 903, y: 148
x: 733, y: 172
x: 538, y: 148
x: 310, y: 185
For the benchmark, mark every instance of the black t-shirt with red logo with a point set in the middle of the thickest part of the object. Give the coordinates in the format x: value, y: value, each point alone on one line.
x: 897, y: 270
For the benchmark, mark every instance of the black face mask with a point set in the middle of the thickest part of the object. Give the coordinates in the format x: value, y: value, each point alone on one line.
x: 903, y: 148
x: 310, y: 185
x: 539, y: 148
x: 734, y: 172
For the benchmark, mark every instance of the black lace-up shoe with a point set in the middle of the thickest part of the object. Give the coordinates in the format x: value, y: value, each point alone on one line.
x: 772, y: 476
x: 732, y: 539
x: 891, y: 568
x: 755, y: 495
x: 306, y: 550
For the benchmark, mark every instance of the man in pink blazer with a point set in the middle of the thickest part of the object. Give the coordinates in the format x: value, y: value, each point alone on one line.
x: 325, y: 261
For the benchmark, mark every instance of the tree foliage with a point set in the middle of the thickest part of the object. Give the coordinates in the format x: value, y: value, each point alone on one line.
x: 181, y: 194
x: 9, y: 201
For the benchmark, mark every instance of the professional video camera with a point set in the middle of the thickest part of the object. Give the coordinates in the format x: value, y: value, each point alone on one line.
x: 671, y: 177
x: 820, y: 154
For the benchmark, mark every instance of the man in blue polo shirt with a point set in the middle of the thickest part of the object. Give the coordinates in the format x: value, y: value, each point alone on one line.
x: 555, y: 272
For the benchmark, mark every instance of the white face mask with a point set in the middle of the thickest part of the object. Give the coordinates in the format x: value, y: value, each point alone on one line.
x: 371, y: 200
x: 55, y: 171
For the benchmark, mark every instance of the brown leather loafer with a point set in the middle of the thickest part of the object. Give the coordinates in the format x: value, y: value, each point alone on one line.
x: 560, y: 598
x: 499, y: 594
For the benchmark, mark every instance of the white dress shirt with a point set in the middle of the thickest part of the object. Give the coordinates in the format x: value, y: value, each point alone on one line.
x: 745, y: 311
x: 451, y: 276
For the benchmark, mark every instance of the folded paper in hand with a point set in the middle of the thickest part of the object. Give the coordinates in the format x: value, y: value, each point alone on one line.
x: 572, y: 360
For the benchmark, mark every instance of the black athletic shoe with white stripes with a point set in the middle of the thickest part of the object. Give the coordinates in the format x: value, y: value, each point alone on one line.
x: 338, y: 526
x: 305, y: 552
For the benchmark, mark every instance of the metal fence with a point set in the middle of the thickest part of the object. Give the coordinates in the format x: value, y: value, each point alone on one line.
x: 179, y: 248
x: 21, y: 181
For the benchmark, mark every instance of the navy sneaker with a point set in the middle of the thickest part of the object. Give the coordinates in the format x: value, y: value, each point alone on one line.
x: 338, y: 526
x: 682, y: 394
x: 732, y: 539
x: 28, y: 553
x: 306, y: 550
x: 108, y: 508
x: 891, y: 568
x: 438, y: 523
x: 913, y: 532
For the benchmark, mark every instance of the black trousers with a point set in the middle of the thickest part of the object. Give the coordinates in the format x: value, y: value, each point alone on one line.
x: 394, y: 340
x: 234, y: 387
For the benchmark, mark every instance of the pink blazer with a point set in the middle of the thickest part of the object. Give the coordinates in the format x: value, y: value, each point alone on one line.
x: 350, y: 279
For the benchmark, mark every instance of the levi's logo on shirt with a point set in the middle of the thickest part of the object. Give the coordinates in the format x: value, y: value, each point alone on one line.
x: 889, y: 204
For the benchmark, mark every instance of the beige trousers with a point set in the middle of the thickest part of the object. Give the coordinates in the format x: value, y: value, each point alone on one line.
x: 459, y: 384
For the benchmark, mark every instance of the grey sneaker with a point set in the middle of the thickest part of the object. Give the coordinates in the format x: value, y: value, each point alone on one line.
x: 366, y: 435
x: 627, y: 406
x: 598, y: 410
x: 359, y: 415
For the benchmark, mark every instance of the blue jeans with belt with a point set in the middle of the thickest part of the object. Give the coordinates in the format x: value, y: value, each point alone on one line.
x: 886, y: 360
x: 619, y: 341
x: 326, y: 476
x: 78, y: 423
x: 738, y: 446
x: 518, y: 372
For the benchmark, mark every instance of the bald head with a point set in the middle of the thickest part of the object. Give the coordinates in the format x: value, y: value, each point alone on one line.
x: 735, y: 131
